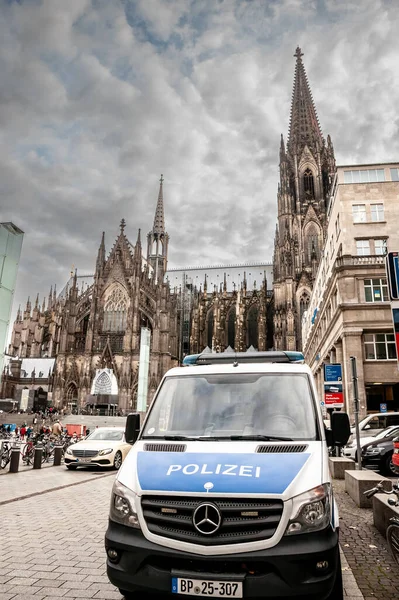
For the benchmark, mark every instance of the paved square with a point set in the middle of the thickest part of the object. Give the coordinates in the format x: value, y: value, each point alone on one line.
x: 53, y: 541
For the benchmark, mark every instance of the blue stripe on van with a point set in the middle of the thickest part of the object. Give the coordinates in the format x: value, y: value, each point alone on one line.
x: 218, y: 473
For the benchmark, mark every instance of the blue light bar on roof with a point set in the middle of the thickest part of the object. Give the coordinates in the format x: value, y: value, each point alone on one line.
x: 273, y: 356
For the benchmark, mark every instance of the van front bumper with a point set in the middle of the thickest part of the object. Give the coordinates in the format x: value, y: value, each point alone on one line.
x: 287, y: 570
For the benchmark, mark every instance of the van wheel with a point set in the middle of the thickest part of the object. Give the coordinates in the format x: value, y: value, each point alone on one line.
x: 337, y: 593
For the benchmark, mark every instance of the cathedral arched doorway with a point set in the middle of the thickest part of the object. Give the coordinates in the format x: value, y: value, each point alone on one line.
x: 252, y: 327
x: 71, y: 396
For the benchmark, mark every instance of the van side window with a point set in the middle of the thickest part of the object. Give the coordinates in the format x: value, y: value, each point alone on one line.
x: 392, y: 420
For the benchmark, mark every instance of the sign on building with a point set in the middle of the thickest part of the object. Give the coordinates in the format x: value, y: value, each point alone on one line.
x: 23, y: 404
x: 392, y: 268
x: 333, y: 391
x: 395, y: 319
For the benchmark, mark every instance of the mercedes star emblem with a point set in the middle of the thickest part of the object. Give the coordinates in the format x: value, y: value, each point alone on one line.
x: 207, y: 518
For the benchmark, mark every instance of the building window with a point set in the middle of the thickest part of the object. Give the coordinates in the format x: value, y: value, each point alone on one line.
x: 377, y: 212
x: 362, y: 247
x: 379, y: 346
x: 308, y: 184
x: 252, y: 327
x: 115, y: 311
x: 395, y: 174
x: 337, y: 227
x: 231, y: 329
x: 376, y: 290
x: 380, y: 247
x: 359, y: 213
x: 364, y: 176
x: 210, y: 330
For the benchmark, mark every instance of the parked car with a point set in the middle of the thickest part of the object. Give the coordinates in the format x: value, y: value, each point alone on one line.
x: 395, y: 456
x: 104, y: 447
x: 375, y: 423
x: 377, y: 455
x: 350, y: 450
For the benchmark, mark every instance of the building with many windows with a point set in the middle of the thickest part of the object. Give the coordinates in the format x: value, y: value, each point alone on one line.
x: 349, y: 312
x: 11, y: 238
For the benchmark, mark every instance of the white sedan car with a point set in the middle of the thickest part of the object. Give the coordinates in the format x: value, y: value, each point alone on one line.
x: 104, y: 447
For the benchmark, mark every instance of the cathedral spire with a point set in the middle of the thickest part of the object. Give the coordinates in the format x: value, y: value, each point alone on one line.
x: 304, y: 124
x: 157, y: 240
x: 137, y: 250
x: 159, y: 219
x: 19, y: 314
x: 101, y: 254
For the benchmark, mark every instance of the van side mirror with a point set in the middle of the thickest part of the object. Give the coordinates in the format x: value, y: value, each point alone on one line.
x: 340, y: 429
x: 132, y: 428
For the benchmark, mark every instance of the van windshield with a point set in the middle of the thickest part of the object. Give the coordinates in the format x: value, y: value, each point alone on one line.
x: 220, y: 406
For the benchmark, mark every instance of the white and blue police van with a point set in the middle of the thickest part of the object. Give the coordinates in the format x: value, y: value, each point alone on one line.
x: 226, y: 492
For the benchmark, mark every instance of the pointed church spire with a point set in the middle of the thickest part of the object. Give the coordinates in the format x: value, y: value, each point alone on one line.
x: 304, y: 123
x: 37, y: 302
x: 101, y: 254
x: 282, y: 148
x: 50, y: 299
x: 19, y: 314
x: 159, y: 219
x: 137, y: 250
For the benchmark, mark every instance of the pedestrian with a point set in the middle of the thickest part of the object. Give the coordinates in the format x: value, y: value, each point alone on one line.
x: 16, y: 431
x: 22, y: 432
x: 29, y: 432
x: 57, y: 428
x: 8, y: 428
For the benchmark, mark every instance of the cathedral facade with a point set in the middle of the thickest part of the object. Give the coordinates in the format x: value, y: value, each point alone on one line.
x: 94, y: 332
x: 307, y: 170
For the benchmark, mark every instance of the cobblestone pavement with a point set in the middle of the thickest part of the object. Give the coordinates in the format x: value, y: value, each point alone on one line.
x: 365, y: 549
x: 52, y: 544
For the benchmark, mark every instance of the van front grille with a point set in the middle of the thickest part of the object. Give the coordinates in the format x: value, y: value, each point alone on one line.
x: 241, y: 519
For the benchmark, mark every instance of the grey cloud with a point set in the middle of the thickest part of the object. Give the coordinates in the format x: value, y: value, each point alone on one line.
x: 98, y: 98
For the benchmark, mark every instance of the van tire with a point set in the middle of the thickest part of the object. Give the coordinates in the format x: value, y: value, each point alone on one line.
x: 337, y: 593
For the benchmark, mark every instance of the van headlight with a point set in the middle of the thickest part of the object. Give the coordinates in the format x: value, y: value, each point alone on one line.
x: 123, y: 506
x: 311, y: 511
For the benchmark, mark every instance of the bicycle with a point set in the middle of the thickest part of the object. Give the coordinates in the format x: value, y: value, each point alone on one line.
x: 392, y: 532
x: 5, y: 454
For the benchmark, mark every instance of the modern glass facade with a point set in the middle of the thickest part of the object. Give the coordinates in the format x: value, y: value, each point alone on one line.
x: 10, y: 251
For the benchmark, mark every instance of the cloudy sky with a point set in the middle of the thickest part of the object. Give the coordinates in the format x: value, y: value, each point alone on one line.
x: 99, y: 97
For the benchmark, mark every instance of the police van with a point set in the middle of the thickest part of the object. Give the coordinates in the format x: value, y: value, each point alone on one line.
x: 226, y: 492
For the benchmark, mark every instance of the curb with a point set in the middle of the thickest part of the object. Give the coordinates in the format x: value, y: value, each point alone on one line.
x: 54, y: 489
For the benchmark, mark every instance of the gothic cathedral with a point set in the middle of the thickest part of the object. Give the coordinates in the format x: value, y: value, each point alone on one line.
x: 95, y: 331
x: 307, y: 169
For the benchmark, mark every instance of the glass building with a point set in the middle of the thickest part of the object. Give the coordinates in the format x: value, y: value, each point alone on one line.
x: 10, y: 251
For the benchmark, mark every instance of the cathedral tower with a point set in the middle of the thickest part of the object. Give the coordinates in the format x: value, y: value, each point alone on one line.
x: 307, y: 168
x: 158, y: 240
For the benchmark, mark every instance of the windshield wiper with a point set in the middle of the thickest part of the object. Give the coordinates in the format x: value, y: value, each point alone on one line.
x: 265, y: 438
x: 169, y: 437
